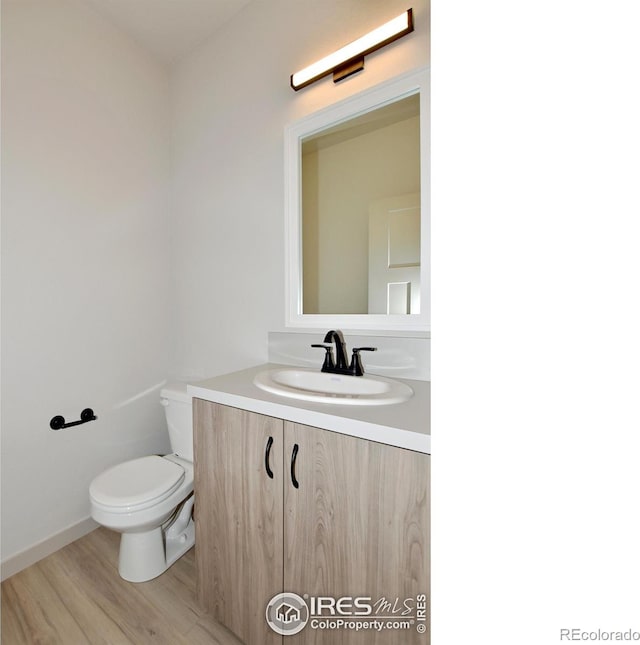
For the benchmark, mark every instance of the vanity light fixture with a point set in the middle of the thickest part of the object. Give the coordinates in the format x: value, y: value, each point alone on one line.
x: 350, y: 58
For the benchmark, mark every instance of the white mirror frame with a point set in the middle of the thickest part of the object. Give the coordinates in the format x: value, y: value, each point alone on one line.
x: 388, y: 92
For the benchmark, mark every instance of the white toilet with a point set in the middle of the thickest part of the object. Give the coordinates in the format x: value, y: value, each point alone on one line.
x: 149, y: 500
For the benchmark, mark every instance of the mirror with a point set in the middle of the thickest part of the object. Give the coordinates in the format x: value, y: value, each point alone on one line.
x: 360, y: 214
x: 357, y: 211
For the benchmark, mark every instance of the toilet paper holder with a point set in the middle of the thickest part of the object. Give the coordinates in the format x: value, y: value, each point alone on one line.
x: 58, y: 422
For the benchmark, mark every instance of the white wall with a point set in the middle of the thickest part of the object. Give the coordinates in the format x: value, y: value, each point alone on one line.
x: 85, y: 279
x: 231, y: 101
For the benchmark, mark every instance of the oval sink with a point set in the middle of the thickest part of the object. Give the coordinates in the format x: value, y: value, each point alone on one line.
x: 322, y: 387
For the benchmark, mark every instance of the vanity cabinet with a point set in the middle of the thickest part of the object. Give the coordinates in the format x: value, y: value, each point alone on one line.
x: 357, y: 525
x: 238, y: 517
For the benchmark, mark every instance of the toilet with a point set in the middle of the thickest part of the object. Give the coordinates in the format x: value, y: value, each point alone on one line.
x: 149, y: 500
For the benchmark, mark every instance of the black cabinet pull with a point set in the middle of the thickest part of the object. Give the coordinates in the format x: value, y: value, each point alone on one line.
x: 267, y: 452
x: 294, y: 455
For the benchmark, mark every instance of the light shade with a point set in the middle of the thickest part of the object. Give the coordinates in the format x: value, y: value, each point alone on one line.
x: 350, y: 58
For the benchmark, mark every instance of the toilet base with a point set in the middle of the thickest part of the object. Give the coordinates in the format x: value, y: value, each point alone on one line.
x: 146, y: 555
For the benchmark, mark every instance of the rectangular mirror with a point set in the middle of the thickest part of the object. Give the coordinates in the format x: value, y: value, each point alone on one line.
x: 357, y: 211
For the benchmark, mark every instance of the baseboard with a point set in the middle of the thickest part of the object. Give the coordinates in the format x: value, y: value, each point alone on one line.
x: 50, y: 545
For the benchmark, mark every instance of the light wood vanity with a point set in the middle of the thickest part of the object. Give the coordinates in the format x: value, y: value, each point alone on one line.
x: 356, y: 525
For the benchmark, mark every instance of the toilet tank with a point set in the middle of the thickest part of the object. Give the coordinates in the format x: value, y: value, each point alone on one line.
x: 177, y: 408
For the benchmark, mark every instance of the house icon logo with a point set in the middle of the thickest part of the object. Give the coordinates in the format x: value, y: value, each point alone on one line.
x: 287, y: 614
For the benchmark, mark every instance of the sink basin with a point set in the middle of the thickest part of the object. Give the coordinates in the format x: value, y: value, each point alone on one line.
x: 322, y: 387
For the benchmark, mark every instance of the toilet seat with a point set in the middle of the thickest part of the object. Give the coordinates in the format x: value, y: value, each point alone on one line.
x: 137, y: 484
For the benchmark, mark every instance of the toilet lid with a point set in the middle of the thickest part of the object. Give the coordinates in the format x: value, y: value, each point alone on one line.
x: 137, y: 481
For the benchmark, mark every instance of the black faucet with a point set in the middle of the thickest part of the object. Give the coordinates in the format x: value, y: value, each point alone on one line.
x: 339, y: 366
x: 335, y: 336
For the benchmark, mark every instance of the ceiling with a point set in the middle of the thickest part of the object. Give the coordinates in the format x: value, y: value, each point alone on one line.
x: 169, y: 29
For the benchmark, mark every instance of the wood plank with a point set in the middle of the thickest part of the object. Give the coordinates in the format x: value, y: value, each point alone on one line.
x: 37, y: 618
x: 76, y: 596
x: 358, y: 525
x: 239, y: 528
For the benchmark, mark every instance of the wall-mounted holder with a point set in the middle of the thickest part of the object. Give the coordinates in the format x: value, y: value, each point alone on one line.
x: 58, y: 422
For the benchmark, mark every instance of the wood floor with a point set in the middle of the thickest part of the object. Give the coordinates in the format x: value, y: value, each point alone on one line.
x: 76, y: 597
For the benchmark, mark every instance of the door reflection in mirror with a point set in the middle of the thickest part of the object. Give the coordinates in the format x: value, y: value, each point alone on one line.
x: 361, y: 214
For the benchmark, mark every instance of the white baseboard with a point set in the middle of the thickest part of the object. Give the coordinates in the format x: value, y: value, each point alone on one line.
x: 50, y: 545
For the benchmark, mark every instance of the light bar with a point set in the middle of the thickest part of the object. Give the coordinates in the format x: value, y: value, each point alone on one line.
x: 350, y: 58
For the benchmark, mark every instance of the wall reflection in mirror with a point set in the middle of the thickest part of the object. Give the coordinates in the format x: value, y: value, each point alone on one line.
x: 361, y: 214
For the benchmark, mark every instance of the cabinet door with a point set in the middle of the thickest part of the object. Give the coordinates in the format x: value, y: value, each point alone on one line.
x: 357, y: 525
x: 238, y: 517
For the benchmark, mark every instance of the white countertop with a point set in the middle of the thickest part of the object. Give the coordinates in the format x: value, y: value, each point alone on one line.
x: 404, y: 425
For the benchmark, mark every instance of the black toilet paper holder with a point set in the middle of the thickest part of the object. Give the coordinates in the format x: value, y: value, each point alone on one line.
x: 58, y: 422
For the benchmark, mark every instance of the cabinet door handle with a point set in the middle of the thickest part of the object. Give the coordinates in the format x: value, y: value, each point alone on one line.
x: 294, y: 455
x: 267, y: 452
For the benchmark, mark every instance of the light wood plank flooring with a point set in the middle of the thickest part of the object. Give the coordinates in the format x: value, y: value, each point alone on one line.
x: 76, y: 597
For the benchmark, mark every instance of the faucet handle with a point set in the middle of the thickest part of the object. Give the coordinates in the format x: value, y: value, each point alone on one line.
x: 329, y: 363
x: 356, y: 364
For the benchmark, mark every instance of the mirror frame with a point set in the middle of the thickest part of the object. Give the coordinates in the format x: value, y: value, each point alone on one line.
x: 414, y: 82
